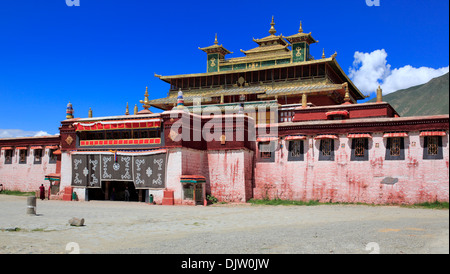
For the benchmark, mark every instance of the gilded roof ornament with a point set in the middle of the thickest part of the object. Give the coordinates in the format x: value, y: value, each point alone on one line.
x: 323, y: 54
x: 272, y: 30
x: 215, y: 48
x: 379, y: 95
x: 301, y: 36
x: 127, y: 110
x: 145, y: 103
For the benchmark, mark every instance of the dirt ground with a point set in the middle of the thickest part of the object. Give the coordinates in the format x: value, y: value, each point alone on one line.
x: 131, y: 227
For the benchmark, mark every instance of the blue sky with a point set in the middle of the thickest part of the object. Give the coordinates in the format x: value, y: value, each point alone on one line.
x: 103, y: 53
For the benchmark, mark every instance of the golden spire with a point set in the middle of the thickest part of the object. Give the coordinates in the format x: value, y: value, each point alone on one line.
x: 300, y: 30
x: 127, y: 111
x: 136, y: 109
x: 215, y: 40
x: 304, y: 100
x: 379, y: 95
x: 347, y: 96
x: 323, y: 54
x: 272, y: 30
x: 145, y: 103
x: 90, y: 113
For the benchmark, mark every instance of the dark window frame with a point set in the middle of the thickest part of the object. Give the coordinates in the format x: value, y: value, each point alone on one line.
x: 354, y: 156
x: 326, y: 157
x: 39, y: 161
x: 23, y: 161
x: 291, y: 145
x: 9, y: 161
x: 267, y: 157
x: 52, y: 159
x: 389, y: 143
x: 439, y: 155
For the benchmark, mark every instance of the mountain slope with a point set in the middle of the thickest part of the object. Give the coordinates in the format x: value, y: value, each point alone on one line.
x: 431, y: 98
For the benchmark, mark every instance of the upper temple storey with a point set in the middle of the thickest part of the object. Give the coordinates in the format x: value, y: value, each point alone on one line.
x: 279, y: 69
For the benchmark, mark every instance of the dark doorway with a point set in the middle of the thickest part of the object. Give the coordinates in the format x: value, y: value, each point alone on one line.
x: 115, y: 191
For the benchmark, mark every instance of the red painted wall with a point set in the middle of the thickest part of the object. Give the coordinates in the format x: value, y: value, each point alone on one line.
x: 343, y: 180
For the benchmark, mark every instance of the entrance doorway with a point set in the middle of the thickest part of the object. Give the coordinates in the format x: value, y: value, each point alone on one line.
x: 115, y: 191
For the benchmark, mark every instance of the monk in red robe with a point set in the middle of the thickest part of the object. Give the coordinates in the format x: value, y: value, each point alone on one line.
x: 42, y: 192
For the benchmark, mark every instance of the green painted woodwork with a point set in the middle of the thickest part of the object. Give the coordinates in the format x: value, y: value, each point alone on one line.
x: 283, y: 61
x: 299, y: 52
x: 267, y: 63
x: 239, y: 66
x: 213, y: 62
x: 226, y: 68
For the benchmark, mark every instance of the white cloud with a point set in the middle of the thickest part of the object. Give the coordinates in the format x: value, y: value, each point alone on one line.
x: 12, y: 133
x: 371, y: 69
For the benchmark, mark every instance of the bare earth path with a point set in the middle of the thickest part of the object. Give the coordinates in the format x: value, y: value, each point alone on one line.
x: 120, y: 227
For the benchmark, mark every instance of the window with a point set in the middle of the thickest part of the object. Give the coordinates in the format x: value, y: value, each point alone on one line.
x: 126, y: 135
x: 360, y: 149
x: 8, y: 156
x: 395, y: 148
x: 188, y: 191
x: 326, y: 150
x: 432, y: 147
x: 23, y: 153
x: 38, y: 156
x: 266, y: 151
x: 295, y: 150
x: 51, y: 156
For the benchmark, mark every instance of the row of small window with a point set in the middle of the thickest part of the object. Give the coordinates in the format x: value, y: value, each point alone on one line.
x: 23, y: 155
x: 395, y: 149
x: 286, y: 116
x: 120, y: 134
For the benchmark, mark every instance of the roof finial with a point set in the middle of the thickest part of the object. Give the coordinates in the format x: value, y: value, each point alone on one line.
x: 145, y: 103
x: 323, y: 54
x: 69, y: 111
x: 180, y: 100
x: 215, y: 40
x: 90, y: 113
x: 379, y: 95
x: 300, y: 30
x: 272, y: 28
x: 127, y: 110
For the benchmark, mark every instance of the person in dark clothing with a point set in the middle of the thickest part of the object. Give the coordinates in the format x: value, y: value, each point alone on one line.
x: 113, y: 194
x: 42, y: 192
x: 127, y: 194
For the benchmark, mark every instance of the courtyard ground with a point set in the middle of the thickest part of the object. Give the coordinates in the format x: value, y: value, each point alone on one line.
x: 130, y: 227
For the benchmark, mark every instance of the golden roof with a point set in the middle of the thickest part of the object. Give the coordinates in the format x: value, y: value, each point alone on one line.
x: 330, y: 61
x: 265, y: 49
x: 168, y: 78
x: 263, y: 91
x: 301, y: 36
x: 214, y: 48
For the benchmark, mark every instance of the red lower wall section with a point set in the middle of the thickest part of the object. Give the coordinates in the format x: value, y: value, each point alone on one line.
x: 377, y: 181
